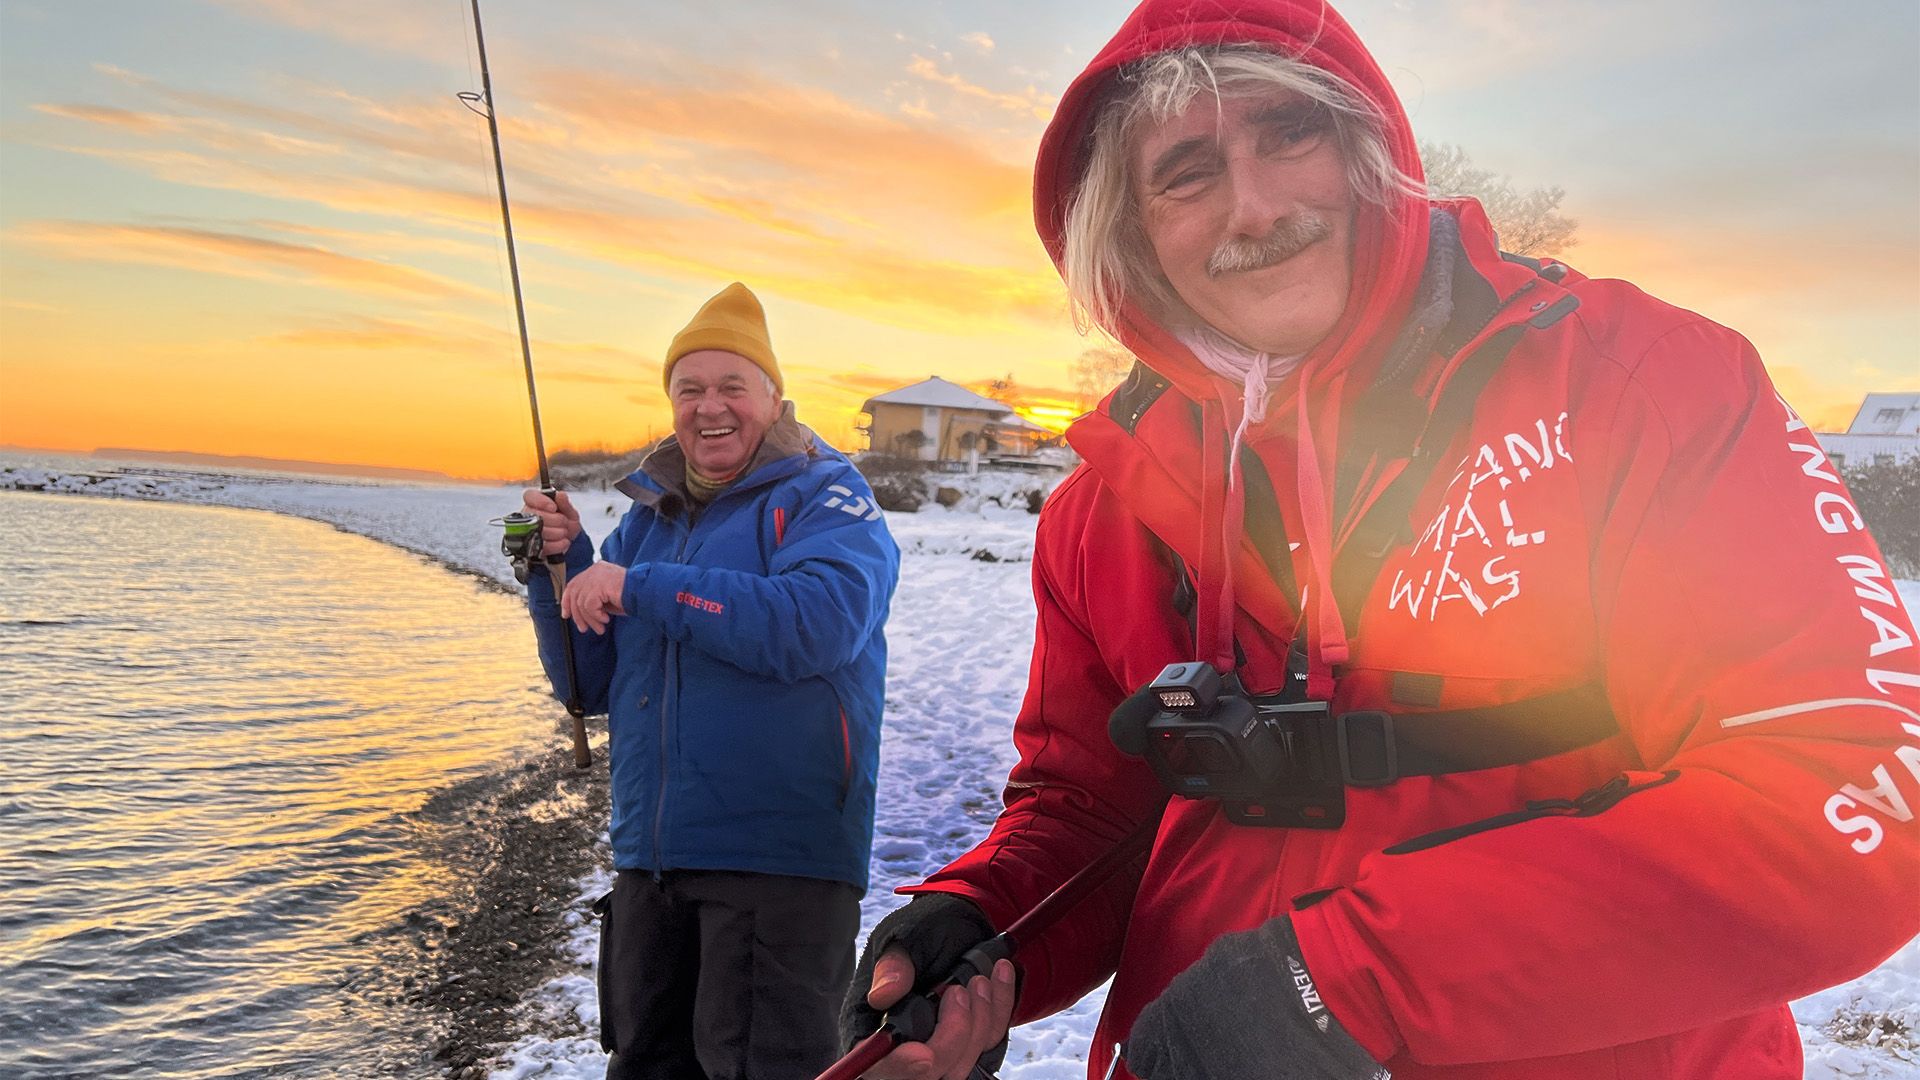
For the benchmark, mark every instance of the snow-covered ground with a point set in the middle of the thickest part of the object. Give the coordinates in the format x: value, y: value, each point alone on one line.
x: 960, y: 635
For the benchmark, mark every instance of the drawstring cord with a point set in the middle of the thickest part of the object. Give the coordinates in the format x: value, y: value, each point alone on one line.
x: 1254, y: 392
x: 1329, y: 646
x: 1257, y: 373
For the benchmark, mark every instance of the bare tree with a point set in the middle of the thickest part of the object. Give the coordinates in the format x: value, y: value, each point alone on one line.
x: 1005, y: 390
x: 1097, y: 371
x: 1528, y: 222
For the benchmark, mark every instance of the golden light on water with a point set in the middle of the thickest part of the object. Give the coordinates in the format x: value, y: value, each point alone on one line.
x: 258, y: 786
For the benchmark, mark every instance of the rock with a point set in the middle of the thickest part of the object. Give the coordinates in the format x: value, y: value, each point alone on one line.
x: 948, y: 497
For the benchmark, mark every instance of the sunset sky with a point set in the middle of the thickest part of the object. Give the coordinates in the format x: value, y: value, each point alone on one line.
x: 266, y: 227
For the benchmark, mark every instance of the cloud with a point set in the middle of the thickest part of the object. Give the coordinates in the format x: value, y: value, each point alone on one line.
x: 363, y: 332
x: 767, y: 135
x: 1026, y: 395
x: 1443, y: 46
x: 1031, y: 102
x: 979, y: 41
x: 211, y: 133
x: 810, y: 194
x: 235, y: 255
x: 142, y: 122
x: 414, y: 130
x: 378, y: 24
x: 385, y: 240
x: 450, y: 335
x: 864, y: 383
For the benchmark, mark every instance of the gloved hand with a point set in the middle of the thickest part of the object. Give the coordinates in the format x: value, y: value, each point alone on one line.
x: 1246, y: 1010
x: 934, y: 930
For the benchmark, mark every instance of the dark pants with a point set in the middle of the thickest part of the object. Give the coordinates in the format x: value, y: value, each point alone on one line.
x: 716, y: 975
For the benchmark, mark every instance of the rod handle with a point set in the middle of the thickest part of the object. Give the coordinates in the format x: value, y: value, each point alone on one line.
x: 582, y: 754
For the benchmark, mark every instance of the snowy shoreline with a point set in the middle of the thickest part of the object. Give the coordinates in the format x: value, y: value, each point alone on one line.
x: 960, y: 635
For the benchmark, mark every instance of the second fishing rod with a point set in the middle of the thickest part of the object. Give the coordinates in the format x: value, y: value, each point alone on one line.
x: 913, y: 1018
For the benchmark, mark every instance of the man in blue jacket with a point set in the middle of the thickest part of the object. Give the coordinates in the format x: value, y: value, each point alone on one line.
x: 732, y: 632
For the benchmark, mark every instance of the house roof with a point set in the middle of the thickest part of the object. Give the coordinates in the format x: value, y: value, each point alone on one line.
x: 1887, y: 414
x: 939, y: 393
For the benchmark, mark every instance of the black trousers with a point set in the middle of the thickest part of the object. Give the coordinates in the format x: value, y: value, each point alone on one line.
x: 718, y: 975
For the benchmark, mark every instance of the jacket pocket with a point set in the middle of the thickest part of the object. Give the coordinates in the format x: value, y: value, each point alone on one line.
x: 845, y: 747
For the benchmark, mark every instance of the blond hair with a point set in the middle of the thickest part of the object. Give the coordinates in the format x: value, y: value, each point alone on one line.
x: 1107, y: 261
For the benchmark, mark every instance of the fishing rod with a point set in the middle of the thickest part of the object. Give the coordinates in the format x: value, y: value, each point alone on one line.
x: 913, y: 1017
x: 521, y: 541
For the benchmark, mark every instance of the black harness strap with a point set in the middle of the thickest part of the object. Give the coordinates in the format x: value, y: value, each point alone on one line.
x: 1378, y: 748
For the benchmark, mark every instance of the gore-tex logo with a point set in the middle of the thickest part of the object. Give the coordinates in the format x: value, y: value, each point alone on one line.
x: 700, y: 603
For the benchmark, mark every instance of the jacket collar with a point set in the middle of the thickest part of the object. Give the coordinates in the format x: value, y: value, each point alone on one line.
x: 661, y: 480
x: 1144, y: 440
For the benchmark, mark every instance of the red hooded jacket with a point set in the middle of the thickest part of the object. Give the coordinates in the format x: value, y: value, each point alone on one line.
x: 1630, y: 508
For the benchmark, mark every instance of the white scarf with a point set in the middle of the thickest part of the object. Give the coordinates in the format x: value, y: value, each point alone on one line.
x: 1256, y: 372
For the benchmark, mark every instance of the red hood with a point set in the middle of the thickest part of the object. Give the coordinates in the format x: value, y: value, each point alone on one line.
x: 1390, y: 243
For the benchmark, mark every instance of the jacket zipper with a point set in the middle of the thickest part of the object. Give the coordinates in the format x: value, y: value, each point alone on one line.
x: 1597, y: 801
x: 669, y: 700
x: 1369, y: 487
x: 670, y: 678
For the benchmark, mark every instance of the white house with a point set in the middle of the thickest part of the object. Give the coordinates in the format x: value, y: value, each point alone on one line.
x: 1886, y: 431
x: 935, y: 420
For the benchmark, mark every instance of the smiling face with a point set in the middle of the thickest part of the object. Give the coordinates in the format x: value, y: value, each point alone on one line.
x: 1246, y: 205
x: 722, y: 407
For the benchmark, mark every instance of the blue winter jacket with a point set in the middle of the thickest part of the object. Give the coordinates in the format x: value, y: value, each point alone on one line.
x: 744, y: 685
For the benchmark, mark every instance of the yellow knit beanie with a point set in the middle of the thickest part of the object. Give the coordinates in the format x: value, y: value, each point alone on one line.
x: 731, y: 322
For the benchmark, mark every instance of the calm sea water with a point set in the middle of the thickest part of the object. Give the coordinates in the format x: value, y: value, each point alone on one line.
x: 215, y: 729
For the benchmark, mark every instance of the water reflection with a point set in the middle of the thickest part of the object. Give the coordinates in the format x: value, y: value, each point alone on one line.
x: 218, y: 727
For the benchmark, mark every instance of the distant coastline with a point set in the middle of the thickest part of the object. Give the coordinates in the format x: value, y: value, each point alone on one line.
x: 325, y: 468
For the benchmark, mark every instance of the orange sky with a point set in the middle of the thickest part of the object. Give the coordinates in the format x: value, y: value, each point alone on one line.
x: 265, y: 227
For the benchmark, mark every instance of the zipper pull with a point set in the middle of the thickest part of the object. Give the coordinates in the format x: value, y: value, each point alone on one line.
x: 1602, y: 797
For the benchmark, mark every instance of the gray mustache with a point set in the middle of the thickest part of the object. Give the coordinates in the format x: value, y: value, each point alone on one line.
x: 1289, y: 237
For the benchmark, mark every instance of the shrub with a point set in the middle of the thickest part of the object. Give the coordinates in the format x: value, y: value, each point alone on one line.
x: 1888, y: 496
x: 898, y: 483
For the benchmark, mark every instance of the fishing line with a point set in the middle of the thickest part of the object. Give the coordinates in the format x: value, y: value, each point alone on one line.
x: 480, y: 143
x: 521, y: 540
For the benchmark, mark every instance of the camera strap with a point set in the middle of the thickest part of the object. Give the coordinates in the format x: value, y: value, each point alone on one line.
x: 1378, y: 748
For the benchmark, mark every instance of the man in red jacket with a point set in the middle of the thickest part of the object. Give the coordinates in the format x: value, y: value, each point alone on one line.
x: 1620, y: 749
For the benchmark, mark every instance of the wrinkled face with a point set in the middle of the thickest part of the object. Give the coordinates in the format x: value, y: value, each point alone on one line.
x: 1245, y: 203
x: 722, y: 408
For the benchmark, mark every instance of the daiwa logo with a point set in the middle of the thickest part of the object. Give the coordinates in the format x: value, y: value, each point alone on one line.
x: 844, y: 500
